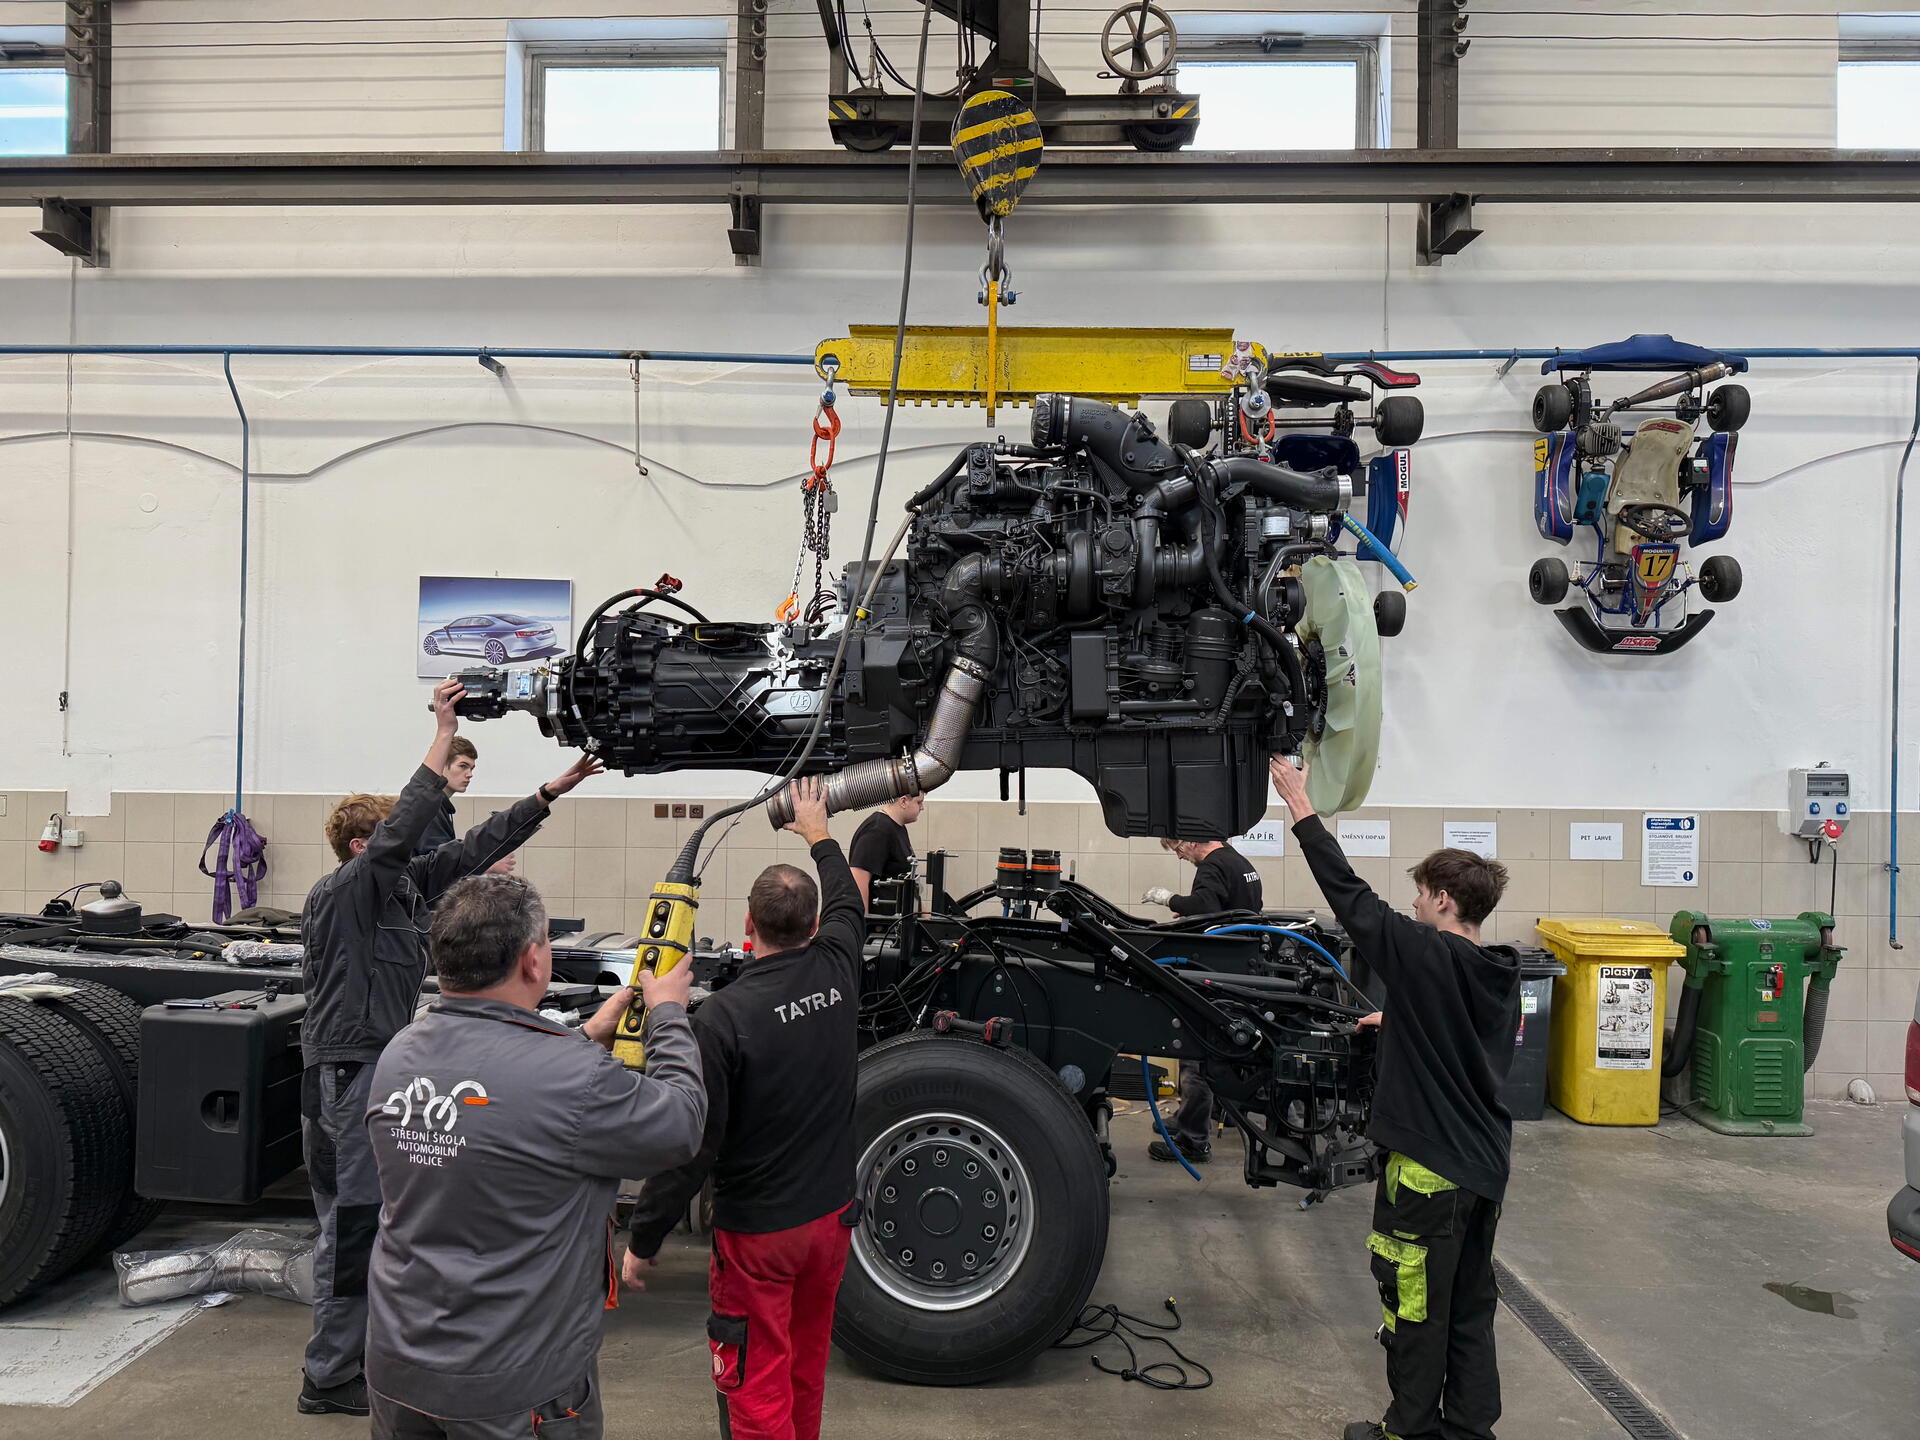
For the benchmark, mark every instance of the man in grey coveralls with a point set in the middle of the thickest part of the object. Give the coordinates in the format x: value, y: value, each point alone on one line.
x: 365, y: 931
x: 501, y: 1139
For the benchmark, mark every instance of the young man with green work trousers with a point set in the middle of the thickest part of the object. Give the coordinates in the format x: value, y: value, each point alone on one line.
x: 1446, y: 1044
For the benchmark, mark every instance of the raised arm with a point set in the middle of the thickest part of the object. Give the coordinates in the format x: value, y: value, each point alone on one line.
x: 1373, y: 925
x: 843, y: 912
x: 394, y: 839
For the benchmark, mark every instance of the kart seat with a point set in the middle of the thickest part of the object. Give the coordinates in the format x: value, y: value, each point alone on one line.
x: 1648, y: 473
x: 1311, y: 390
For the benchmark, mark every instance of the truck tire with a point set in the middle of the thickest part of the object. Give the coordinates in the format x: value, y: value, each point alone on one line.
x: 112, y: 1022
x: 65, y: 1140
x: 985, y: 1212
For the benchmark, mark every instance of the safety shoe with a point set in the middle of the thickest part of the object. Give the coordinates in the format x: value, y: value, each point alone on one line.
x: 349, y: 1398
x: 1365, y: 1430
x: 1164, y: 1153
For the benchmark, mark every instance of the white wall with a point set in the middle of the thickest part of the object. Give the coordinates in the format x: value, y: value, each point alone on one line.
x: 1488, y: 701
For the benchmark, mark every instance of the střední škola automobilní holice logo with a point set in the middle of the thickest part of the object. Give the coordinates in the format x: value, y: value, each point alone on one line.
x: 437, y: 1111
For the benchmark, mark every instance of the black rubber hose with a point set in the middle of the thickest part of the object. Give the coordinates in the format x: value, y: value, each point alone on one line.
x: 638, y: 592
x: 1813, y: 1023
x: 1264, y: 628
x: 1685, y: 1021
x: 940, y: 482
x: 1318, y: 493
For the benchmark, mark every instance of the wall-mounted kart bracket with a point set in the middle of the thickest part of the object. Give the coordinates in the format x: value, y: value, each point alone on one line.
x: 743, y: 235
x: 1446, y: 228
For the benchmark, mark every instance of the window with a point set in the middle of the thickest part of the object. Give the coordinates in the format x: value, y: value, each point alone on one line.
x: 33, y: 106
x: 1879, y: 95
x: 1282, y: 92
x: 660, y: 97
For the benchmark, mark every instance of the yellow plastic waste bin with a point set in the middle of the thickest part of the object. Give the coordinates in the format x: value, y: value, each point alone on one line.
x: 1609, y: 1018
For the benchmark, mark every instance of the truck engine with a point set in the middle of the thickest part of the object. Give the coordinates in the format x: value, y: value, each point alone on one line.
x: 1099, y: 599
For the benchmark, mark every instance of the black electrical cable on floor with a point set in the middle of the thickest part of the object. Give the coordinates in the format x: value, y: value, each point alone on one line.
x: 1110, y: 1322
x: 689, y: 854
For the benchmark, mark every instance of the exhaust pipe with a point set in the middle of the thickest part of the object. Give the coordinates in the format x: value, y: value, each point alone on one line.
x: 874, y: 782
x: 1678, y: 385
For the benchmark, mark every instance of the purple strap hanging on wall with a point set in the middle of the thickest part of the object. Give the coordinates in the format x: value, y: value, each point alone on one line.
x: 242, y: 861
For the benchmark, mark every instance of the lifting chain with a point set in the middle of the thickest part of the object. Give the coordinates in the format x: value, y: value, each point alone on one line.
x: 817, y: 504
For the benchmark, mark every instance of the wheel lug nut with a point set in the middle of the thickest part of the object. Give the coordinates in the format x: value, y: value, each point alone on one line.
x: 992, y: 1197
x: 909, y: 1166
x: 906, y: 1257
x: 987, y: 1232
x: 970, y: 1260
x: 939, y: 1157
x: 889, y: 1193
x: 939, y: 1269
x: 973, y: 1169
x: 886, y: 1227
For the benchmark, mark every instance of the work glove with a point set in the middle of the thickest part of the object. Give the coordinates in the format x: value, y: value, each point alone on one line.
x: 1158, y: 895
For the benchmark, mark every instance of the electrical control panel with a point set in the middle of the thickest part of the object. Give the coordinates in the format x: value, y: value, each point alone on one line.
x: 1819, y: 803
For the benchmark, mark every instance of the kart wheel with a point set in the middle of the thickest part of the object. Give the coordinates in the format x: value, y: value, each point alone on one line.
x: 985, y: 1217
x: 1728, y: 407
x: 496, y: 653
x: 1389, y: 613
x: 430, y: 645
x: 1190, y: 423
x: 1399, y: 420
x: 1552, y: 408
x: 1720, y: 578
x: 1547, y: 581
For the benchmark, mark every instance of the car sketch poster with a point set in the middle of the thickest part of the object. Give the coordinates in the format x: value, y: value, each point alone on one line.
x: 467, y: 620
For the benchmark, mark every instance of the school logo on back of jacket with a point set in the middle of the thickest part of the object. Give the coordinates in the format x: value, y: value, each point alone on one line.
x: 432, y: 1142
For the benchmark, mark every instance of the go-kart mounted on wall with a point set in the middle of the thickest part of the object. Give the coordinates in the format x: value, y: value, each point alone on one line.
x: 1646, y: 494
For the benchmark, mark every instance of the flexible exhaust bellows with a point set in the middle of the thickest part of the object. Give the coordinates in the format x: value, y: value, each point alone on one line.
x: 874, y: 782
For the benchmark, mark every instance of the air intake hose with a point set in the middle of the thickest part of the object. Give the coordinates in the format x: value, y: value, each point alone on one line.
x: 1813, y: 1023
x: 1321, y: 493
x: 1685, y: 1021
x: 976, y: 649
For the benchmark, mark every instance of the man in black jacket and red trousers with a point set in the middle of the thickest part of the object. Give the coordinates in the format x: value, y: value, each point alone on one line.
x: 1446, y: 1044
x: 778, y: 1049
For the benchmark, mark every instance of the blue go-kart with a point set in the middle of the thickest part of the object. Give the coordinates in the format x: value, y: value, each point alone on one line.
x: 1644, y: 493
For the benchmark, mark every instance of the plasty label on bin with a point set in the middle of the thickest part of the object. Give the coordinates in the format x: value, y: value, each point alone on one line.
x: 1623, y: 1038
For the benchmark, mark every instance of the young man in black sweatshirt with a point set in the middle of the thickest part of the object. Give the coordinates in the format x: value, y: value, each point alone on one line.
x: 1446, y: 1044
x: 778, y: 1048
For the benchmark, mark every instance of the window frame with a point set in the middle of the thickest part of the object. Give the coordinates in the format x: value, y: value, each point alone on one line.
x: 706, y: 54
x: 1282, y: 47
x: 14, y: 56
x: 1874, y: 50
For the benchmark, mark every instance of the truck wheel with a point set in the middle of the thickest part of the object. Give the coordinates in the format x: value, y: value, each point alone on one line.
x: 112, y: 1022
x: 65, y: 1141
x: 1552, y: 408
x: 985, y: 1216
x: 1547, y: 581
x: 1720, y: 578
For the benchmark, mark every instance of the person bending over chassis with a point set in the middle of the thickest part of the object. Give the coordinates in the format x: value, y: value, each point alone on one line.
x: 501, y: 1139
x: 1223, y: 879
x: 881, y: 848
x: 365, y: 931
x: 1446, y: 1044
x: 778, y: 1048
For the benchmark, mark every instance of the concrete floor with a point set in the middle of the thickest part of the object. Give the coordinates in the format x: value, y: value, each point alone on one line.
x: 1657, y: 1246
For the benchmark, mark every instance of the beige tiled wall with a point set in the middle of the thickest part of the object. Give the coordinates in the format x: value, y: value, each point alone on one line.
x: 598, y: 858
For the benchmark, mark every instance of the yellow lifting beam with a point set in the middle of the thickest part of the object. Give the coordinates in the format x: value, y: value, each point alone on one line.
x: 966, y: 365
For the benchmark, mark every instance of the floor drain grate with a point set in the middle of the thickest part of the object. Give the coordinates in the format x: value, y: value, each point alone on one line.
x: 1619, y: 1399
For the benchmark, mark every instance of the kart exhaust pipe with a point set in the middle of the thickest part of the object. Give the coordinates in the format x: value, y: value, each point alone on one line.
x: 1678, y: 385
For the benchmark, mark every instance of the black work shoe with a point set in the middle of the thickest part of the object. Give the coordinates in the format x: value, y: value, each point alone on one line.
x: 1196, y: 1154
x: 346, y: 1399
x: 1365, y: 1430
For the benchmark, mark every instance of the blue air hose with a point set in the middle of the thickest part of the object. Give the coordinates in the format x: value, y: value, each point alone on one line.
x: 1381, y: 553
x: 1153, y: 1104
x: 1308, y: 941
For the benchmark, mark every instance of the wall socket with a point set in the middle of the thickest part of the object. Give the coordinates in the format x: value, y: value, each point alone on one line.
x: 73, y: 839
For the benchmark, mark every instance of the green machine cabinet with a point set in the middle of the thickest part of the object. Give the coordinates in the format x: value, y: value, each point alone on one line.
x: 1751, y: 1017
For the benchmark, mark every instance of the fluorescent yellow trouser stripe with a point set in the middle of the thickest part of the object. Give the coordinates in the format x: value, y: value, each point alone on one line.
x: 1415, y: 1176
x: 1410, y: 1266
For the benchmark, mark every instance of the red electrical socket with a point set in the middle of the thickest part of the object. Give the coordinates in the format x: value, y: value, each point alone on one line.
x: 50, y: 837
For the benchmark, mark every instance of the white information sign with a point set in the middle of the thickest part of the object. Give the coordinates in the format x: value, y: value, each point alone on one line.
x: 1596, y: 840
x: 1670, y: 849
x: 1479, y: 836
x: 1625, y: 1035
x: 1365, y: 837
x: 1269, y: 837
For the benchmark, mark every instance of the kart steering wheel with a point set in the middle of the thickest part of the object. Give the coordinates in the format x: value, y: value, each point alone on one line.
x: 1656, y: 522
